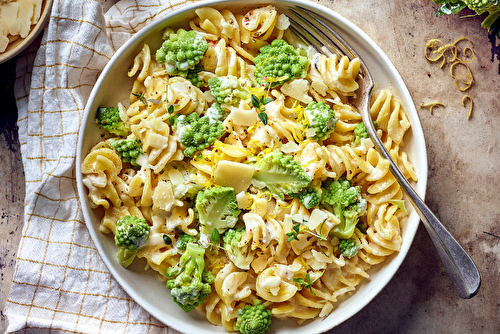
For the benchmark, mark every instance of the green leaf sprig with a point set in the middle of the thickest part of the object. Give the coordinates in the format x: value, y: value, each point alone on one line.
x: 293, y: 235
x: 167, y: 240
x: 307, y: 283
x: 260, y: 104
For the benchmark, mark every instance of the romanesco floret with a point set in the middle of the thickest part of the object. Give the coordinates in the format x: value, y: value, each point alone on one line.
x: 189, y: 283
x: 215, y: 113
x: 321, y: 118
x: 361, y: 132
x: 194, y: 75
x: 196, y: 133
x: 281, y: 175
x: 309, y: 197
x: 217, y: 209
x: 181, y: 51
x: 491, y: 22
x: 345, y: 201
x: 184, y: 239
x: 240, y: 255
x: 480, y: 6
x: 278, y: 63
x: 253, y: 319
x: 128, y: 149
x: 349, y: 247
x: 109, y: 119
x: 131, y: 235
x: 228, y: 90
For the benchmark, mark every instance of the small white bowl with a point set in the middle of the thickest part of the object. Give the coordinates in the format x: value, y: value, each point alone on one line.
x: 144, y: 287
x: 15, y: 47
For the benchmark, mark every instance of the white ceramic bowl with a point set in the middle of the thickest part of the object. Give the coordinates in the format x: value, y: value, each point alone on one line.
x: 144, y: 287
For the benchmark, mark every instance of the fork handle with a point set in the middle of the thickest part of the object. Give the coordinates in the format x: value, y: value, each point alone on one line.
x: 462, y: 271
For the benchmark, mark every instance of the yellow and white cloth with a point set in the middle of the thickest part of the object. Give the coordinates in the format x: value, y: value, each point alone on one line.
x: 60, y: 283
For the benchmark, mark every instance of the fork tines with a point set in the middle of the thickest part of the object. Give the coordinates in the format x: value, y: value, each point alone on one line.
x: 320, y: 36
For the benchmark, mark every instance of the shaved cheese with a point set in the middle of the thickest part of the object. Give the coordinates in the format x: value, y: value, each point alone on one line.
x: 163, y: 197
x: 8, y: 15
x: 283, y: 22
x: 317, y: 218
x: 290, y: 147
x: 16, y: 20
x: 297, y: 89
x: 24, y: 17
x: 156, y: 140
x: 243, y: 200
x: 244, y: 117
x: 234, y: 174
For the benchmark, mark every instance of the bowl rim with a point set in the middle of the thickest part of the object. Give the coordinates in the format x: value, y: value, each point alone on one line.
x: 416, y: 130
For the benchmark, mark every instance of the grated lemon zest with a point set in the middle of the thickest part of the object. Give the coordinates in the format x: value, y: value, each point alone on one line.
x: 432, y: 105
x: 465, y: 97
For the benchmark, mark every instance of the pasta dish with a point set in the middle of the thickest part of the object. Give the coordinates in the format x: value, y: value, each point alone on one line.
x: 241, y: 173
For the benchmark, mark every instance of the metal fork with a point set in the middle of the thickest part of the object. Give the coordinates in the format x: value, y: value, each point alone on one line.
x: 313, y: 30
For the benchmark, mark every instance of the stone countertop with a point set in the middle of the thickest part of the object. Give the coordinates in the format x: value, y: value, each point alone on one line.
x: 462, y: 185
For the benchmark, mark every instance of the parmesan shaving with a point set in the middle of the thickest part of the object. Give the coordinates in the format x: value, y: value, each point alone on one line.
x: 17, y: 19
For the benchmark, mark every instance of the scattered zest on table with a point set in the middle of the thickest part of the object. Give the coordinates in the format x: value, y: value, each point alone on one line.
x: 436, y: 50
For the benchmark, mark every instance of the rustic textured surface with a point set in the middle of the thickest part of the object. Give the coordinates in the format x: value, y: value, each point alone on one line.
x: 12, y: 185
x: 462, y: 186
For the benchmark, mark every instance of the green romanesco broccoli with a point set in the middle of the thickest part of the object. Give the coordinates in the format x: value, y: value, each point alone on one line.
x: 309, y: 197
x: 181, y: 51
x: 184, y: 239
x: 492, y: 7
x: 321, y: 118
x: 241, y: 255
x: 131, y: 235
x: 189, y: 283
x: 129, y: 149
x: 109, y: 119
x: 228, y: 90
x: 196, y: 133
x: 215, y: 113
x: 253, y: 319
x: 193, y: 75
x: 281, y: 175
x: 349, y: 247
x: 217, y: 209
x: 481, y: 6
x: 344, y: 200
x: 361, y: 132
x: 278, y: 63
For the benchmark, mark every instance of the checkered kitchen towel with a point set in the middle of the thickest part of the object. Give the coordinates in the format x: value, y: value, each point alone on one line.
x: 60, y: 282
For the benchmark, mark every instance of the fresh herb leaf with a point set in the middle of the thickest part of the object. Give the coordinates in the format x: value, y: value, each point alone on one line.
x: 263, y: 117
x: 255, y: 101
x: 215, y: 236
x: 141, y: 97
x: 155, y: 101
x: 292, y: 235
x: 267, y: 100
x: 306, y: 283
x: 167, y: 240
x: 260, y: 104
x: 170, y: 109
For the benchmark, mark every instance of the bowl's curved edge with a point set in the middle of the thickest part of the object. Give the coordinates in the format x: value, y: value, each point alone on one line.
x: 395, y: 261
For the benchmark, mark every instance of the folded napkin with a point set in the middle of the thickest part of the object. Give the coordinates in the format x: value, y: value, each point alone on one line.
x: 60, y: 283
